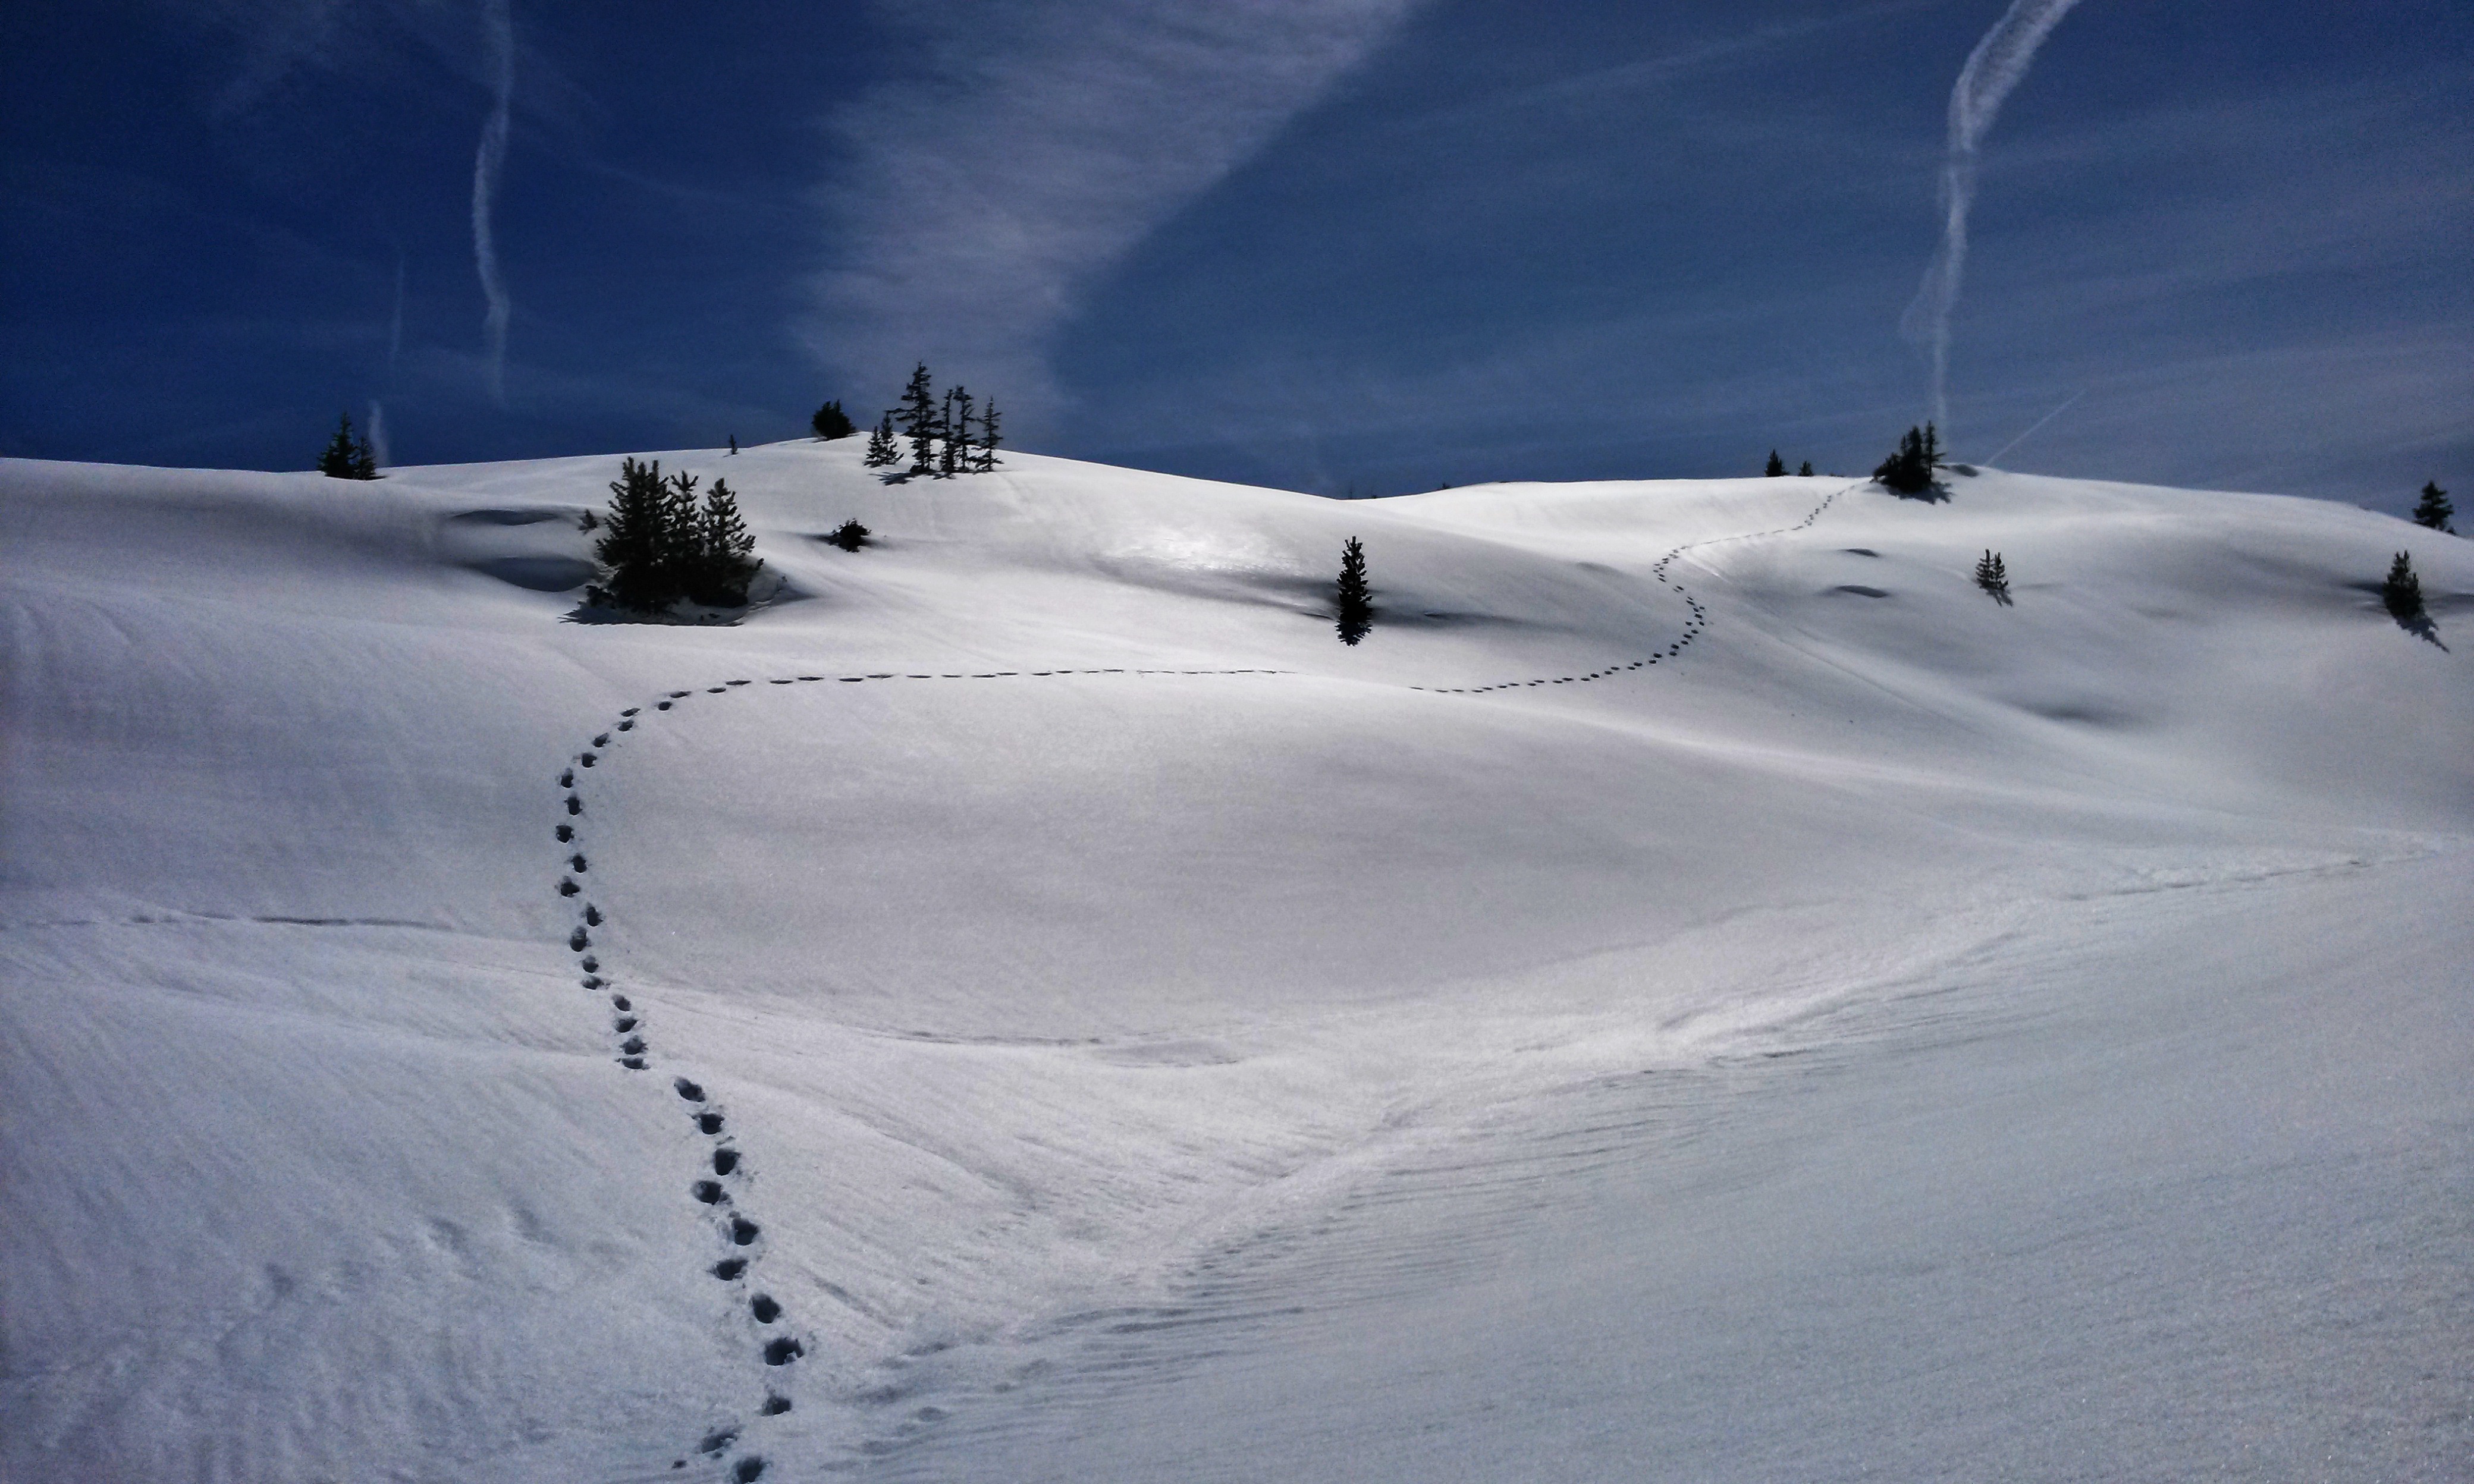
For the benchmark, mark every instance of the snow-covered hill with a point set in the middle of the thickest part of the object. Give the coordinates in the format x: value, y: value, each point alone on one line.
x: 1700, y: 992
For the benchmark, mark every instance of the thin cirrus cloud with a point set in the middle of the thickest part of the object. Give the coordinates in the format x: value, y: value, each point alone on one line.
x: 1033, y: 145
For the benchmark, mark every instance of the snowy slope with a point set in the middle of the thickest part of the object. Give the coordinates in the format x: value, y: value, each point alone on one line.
x: 1700, y: 992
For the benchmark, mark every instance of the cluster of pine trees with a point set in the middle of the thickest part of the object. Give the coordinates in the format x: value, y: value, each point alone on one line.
x: 348, y: 457
x: 1994, y: 577
x: 660, y: 545
x: 1776, y: 469
x: 941, y: 437
x: 1910, y: 470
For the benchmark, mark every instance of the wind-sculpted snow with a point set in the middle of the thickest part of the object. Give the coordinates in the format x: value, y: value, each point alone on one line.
x: 1061, y: 1015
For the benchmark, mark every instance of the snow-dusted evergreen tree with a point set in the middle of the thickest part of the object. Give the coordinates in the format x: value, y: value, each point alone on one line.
x: 2434, y: 509
x: 1992, y: 578
x: 1352, y: 600
x: 916, y: 421
x: 880, y: 451
x: 986, y: 460
x: 1777, y: 465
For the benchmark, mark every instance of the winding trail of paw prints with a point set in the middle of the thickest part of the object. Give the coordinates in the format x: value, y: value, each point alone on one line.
x: 1692, y: 626
x: 723, y: 1172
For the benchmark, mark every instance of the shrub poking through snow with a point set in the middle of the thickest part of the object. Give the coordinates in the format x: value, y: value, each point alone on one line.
x: 2402, y: 592
x: 849, y: 535
x: 1353, y: 600
x: 1992, y: 578
x: 880, y: 451
x: 831, y: 422
x: 1910, y: 470
x: 2434, y: 509
x: 348, y: 457
x: 659, y: 547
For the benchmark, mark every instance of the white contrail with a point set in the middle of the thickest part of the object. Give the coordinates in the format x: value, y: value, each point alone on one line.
x: 1994, y: 68
x: 2031, y: 429
x: 377, y: 438
x: 498, y: 36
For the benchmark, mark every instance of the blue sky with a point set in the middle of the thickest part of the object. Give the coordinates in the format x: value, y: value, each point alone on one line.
x: 1347, y: 245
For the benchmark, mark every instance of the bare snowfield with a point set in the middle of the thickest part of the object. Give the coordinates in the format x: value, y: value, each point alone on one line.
x: 1701, y: 993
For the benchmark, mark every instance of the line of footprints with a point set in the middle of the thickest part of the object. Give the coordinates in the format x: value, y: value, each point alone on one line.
x: 736, y: 1232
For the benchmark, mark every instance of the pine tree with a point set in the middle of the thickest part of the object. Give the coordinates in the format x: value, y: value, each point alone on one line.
x: 1777, y: 465
x: 917, y: 420
x: 831, y: 422
x: 1992, y: 578
x: 1909, y: 471
x: 1353, y: 600
x: 987, y: 460
x: 849, y: 535
x: 637, y: 544
x: 957, y: 435
x: 2434, y: 509
x: 721, y: 569
x: 880, y: 443
x: 348, y: 457
x: 945, y: 435
x: 1806, y: 470
x: 2402, y: 592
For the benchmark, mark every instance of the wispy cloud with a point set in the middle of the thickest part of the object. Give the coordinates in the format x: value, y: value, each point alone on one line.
x: 1033, y: 144
x: 1993, y: 69
x: 499, y: 42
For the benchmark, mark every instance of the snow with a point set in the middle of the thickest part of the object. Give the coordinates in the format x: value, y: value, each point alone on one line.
x: 1888, y: 1035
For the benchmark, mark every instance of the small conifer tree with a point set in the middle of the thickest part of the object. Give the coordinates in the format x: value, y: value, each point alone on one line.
x: 2402, y: 592
x: 722, y: 568
x: 348, y: 457
x: 1806, y: 470
x: 987, y: 460
x: 2435, y: 510
x: 849, y: 535
x: 1994, y: 577
x: 917, y: 420
x: 1777, y: 465
x: 947, y: 436
x: 637, y: 543
x: 1910, y: 470
x: 880, y: 443
x: 1353, y: 600
x: 957, y: 434
x: 831, y: 422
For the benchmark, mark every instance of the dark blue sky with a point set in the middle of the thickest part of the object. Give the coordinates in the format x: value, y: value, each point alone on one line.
x: 1334, y: 245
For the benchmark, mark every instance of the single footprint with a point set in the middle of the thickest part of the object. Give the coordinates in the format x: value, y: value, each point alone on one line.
x: 626, y: 725
x: 586, y: 759
x: 728, y: 1269
x: 602, y: 740
x: 764, y: 1309
x: 708, y: 1193
x: 633, y: 1045
x: 591, y: 965
x: 618, y: 1001
x: 707, y: 1123
x: 634, y: 1063
x: 747, y: 1471
x: 566, y: 779
x: 593, y: 981
x: 782, y: 1350
x: 566, y: 885
x: 592, y: 915
x: 775, y: 1404
x: 577, y: 941
x: 566, y: 833
x: 689, y: 1090
x: 575, y: 806
x: 743, y: 1232
x: 719, y: 1439
x: 664, y: 706
x: 725, y: 1160
x: 575, y: 863
x: 623, y: 1024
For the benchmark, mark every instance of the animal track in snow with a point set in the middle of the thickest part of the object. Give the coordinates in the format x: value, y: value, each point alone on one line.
x: 734, y: 1227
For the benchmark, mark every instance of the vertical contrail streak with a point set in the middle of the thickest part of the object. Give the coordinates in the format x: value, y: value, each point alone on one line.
x: 498, y: 37
x: 1993, y: 69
